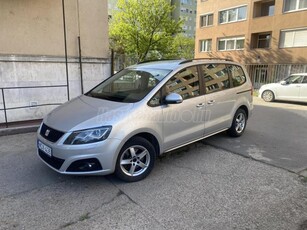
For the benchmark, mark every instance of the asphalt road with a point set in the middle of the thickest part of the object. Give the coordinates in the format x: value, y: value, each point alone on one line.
x: 198, y: 187
x: 276, y: 134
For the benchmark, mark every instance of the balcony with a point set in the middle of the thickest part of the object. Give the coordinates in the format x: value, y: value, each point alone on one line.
x: 264, y: 8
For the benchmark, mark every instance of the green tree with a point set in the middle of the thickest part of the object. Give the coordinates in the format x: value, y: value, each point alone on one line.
x: 144, y: 28
x: 183, y: 47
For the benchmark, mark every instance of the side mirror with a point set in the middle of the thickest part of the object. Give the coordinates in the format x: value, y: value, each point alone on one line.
x: 173, y: 98
x: 284, y: 83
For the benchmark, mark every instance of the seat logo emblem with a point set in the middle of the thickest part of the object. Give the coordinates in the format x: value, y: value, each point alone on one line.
x: 47, y: 132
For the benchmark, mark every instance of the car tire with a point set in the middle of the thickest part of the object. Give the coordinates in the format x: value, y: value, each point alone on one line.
x: 268, y: 96
x: 135, y: 160
x: 238, y: 124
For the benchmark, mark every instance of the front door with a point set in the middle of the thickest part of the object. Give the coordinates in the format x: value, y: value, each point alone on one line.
x: 291, y: 90
x: 303, y: 90
x: 184, y: 122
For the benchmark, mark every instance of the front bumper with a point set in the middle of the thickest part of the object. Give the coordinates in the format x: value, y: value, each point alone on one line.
x: 100, y: 157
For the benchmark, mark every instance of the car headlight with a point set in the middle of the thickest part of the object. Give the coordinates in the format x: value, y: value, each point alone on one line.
x: 88, y: 136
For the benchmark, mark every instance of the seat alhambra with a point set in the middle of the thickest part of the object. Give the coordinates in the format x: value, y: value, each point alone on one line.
x: 143, y: 111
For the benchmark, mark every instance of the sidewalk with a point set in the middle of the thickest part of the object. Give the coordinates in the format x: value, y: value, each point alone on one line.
x: 19, y: 127
x: 281, y: 104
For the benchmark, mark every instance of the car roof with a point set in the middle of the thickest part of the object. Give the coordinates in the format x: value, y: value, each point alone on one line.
x: 174, y: 64
x: 163, y: 64
x: 298, y: 74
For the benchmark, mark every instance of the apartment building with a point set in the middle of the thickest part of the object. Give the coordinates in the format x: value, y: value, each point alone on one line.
x: 186, y: 10
x: 269, y: 36
x: 50, y: 52
x: 250, y: 31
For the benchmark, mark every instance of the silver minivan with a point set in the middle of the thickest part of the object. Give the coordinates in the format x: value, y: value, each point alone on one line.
x: 143, y: 111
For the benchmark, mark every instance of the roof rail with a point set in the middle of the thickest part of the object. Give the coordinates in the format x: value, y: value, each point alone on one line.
x: 195, y: 59
x: 158, y: 60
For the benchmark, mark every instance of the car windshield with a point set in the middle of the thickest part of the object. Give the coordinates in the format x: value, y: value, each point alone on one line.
x: 293, y: 79
x: 128, y: 85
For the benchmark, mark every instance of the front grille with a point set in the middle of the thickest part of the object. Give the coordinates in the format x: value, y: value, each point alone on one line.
x: 50, y: 134
x: 53, y: 161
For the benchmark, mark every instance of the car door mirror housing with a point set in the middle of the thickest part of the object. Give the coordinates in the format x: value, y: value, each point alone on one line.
x: 173, y: 98
x: 284, y: 83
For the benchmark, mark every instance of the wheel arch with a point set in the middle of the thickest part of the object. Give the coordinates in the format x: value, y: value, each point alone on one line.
x: 151, y: 138
x: 244, y: 107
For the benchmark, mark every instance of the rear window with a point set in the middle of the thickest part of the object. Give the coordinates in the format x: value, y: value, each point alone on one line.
x: 216, y: 77
x: 237, y: 75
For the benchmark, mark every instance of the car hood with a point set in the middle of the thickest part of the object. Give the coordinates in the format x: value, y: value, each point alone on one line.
x: 268, y: 86
x: 85, y: 112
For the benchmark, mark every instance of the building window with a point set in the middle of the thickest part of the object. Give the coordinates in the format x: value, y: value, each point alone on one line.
x: 294, y: 5
x: 233, y: 15
x: 206, y: 45
x: 264, y: 41
x: 264, y: 8
x: 261, y: 40
x: 206, y: 20
x: 231, y: 43
x: 293, y: 38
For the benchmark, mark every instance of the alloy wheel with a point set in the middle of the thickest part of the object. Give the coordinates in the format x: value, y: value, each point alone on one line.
x: 135, y: 160
x: 268, y: 96
x: 240, y: 122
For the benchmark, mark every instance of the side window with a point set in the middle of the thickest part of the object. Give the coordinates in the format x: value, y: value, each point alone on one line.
x: 294, y: 79
x: 237, y: 75
x: 305, y: 80
x: 185, y: 83
x: 216, y: 77
x: 155, y: 100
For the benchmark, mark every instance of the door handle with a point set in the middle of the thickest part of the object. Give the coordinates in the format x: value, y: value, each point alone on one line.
x: 200, y: 105
x: 210, y: 102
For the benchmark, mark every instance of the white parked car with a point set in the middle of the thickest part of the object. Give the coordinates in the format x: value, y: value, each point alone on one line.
x: 292, y: 88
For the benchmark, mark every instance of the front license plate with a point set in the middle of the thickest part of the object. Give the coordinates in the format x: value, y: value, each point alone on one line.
x: 46, y: 149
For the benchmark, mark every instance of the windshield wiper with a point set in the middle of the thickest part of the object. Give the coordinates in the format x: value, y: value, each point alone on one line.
x: 107, y: 97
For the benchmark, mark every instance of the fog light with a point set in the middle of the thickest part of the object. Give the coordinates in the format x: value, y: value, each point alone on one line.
x: 86, y: 165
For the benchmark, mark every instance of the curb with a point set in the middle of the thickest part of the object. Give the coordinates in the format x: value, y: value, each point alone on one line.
x: 18, y: 130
